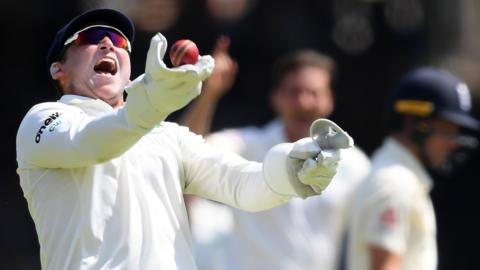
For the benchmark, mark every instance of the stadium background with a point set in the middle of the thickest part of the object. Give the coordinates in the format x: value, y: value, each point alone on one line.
x: 373, y: 41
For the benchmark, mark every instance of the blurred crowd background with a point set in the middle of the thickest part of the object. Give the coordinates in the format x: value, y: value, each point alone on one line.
x: 374, y: 42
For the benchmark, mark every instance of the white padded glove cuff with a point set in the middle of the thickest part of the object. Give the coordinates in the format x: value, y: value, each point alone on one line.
x: 139, y: 110
x: 280, y: 172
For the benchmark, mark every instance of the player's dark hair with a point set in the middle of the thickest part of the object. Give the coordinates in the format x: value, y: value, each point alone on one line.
x: 299, y: 59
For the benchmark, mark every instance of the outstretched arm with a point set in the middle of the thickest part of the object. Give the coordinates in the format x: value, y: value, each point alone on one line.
x: 300, y: 169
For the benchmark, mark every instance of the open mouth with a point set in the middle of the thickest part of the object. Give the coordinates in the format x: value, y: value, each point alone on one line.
x: 106, y: 66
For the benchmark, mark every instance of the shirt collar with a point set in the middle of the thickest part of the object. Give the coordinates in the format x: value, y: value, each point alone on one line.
x: 410, y: 161
x: 90, y: 105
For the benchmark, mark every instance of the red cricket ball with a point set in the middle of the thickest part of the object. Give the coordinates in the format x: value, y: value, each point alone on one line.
x: 184, y: 51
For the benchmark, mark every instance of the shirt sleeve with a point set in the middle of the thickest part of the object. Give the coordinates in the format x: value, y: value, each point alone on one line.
x: 228, y: 140
x: 225, y: 176
x: 387, y: 216
x: 56, y: 135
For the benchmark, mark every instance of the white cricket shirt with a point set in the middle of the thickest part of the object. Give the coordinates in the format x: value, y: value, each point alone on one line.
x: 393, y: 210
x: 106, y: 194
x: 303, y: 234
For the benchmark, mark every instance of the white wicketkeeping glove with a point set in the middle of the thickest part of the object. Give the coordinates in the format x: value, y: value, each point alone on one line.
x: 162, y: 90
x: 306, y: 167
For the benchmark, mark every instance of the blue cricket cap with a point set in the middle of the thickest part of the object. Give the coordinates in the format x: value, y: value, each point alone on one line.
x: 433, y: 92
x: 107, y: 17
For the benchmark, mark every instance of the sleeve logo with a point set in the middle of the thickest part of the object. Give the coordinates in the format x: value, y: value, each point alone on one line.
x: 50, y: 123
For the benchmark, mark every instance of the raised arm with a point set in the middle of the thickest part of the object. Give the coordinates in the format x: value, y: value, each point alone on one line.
x: 71, y: 138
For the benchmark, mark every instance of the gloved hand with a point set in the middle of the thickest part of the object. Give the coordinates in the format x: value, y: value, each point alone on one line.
x: 165, y: 89
x: 320, y: 153
x: 310, y: 163
x: 173, y: 88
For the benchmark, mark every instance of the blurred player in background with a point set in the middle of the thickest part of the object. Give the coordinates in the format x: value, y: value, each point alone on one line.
x: 393, y: 224
x: 304, y: 234
x: 104, y: 179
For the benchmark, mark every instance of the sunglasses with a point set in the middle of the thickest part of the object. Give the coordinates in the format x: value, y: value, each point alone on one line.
x: 95, y: 33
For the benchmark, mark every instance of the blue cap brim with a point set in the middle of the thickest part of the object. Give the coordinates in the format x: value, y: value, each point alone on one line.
x: 463, y: 120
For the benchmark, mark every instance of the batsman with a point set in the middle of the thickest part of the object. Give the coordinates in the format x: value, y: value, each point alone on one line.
x: 104, y: 177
